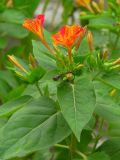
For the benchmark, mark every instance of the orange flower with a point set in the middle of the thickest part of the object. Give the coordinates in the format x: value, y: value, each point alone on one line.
x: 35, y: 25
x: 67, y: 37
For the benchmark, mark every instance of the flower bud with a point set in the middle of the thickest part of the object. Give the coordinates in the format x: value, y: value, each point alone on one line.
x: 90, y: 40
x: 112, y: 93
x: 9, y: 3
x: 116, y: 61
x: 14, y: 61
x: 101, y: 4
x: 83, y: 13
x: 96, y: 7
x: 118, y: 2
x: 105, y: 55
x: 32, y: 61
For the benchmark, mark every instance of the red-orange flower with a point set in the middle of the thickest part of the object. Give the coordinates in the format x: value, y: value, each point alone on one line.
x: 35, y: 25
x: 68, y: 36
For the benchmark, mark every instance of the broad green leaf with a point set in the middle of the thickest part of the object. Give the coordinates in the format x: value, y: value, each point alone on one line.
x: 34, y: 127
x: 8, y: 108
x: 42, y: 155
x: 15, y: 92
x: 113, y: 80
x: 114, y: 129
x: 3, y: 121
x: 86, y: 137
x: 9, y: 78
x: 77, y: 103
x: 99, y: 156
x: 68, y: 7
x: 12, y: 16
x: 32, y: 91
x: 3, y: 43
x: 112, y: 148
x: 95, y: 16
x: 102, y: 21
x: 101, y: 38
x: 26, y: 6
x: 43, y: 56
x: 14, y: 30
x: 106, y: 106
x: 83, y: 48
x: 36, y: 74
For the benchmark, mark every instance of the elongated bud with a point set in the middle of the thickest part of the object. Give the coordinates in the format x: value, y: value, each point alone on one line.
x: 118, y: 1
x: 90, y: 40
x: 32, y: 61
x: 9, y: 3
x: 101, y: 4
x: 90, y: 8
x: 79, y: 66
x: 115, y: 67
x: 112, y: 93
x: 96, y: 7
x: 68, y: 76
x: 83, y: 13
x: 105, y: 54
x: 13, y: 60
x: 116, y: 61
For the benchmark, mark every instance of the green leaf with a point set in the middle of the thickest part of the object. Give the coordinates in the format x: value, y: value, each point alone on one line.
x: 34, y: 127
x: 113, y: 80
x: 36, y: 74
x: 3, y: 43
x: 3, y: 121
x: 14, y: 30
x: 86, y: 137
x: 15, y: 93
x: 99, y: 156
x: 68, y: 9
x: 26, y: 6
x: 4, y: 89
x: 112, y: 148
x: 9, y: 78
x: 77, y: 102
x: 42, y: 155
x: 43, y: 56
x: 12, y: 16
x: 107, y: 107
x: 83, y: 48
x: 10, y: 107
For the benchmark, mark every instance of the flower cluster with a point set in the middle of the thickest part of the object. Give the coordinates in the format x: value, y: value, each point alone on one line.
x: 68, y: 36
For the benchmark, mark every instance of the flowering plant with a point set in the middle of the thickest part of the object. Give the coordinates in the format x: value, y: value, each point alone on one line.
x: 71, y: 91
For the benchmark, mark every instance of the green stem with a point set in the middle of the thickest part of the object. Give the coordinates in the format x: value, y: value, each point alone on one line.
x: 72, y: 146
x: 37, y: 85
x: 76, y: 151
x: 82, y: 155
